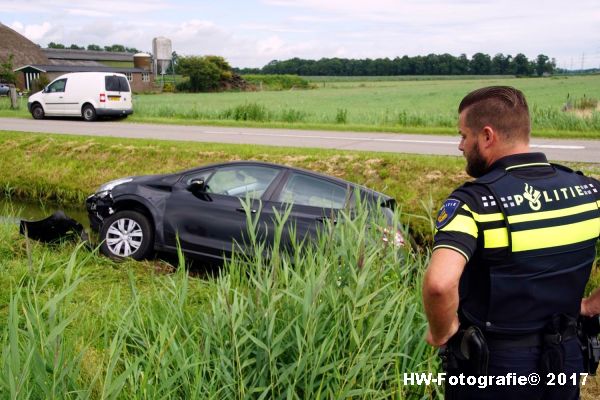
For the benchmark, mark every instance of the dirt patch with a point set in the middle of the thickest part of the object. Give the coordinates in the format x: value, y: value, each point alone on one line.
x: 587, y: 113
x: 433, y: 176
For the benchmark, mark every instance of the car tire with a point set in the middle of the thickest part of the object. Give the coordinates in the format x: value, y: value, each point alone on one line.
x: 127, y: 234
x: 88, y: 113
x: 37, y: 112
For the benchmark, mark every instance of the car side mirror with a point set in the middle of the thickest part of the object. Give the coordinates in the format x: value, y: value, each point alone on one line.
x: 197, y: 185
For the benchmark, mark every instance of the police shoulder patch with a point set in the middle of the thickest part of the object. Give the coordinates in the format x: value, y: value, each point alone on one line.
x: 447, y: 212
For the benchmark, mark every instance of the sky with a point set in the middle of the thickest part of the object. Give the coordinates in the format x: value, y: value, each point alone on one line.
x: 251, y: 33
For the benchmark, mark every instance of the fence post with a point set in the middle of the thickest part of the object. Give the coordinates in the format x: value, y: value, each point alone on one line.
x: 13, y: 97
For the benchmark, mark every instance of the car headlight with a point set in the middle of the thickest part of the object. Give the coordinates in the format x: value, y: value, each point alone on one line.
x: 107, y: 187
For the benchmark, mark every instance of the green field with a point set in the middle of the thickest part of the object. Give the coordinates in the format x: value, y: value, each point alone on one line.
x: 427, y: 106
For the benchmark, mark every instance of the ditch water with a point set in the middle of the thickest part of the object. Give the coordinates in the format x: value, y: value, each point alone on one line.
x: 14, y: 210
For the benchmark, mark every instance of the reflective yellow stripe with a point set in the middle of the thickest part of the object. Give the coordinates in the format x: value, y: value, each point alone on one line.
x: 525, y: 165
x: 554, y: 236
x: 494, y: 238
x: 445, y: 246
x: 461, y: 223
x: 536, y: 216
x: 484, y: 217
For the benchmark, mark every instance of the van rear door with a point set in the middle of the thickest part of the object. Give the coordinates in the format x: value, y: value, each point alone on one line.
x: 118, y: 93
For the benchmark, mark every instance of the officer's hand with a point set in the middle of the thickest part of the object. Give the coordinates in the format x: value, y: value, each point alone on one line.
x: 585, y: 308
x: 441, y: 341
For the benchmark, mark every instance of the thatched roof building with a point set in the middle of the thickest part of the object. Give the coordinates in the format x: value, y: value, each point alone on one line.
x: 32, y: 63
x: 23, y: 49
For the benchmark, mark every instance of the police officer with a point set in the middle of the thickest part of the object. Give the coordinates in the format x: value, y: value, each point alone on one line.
x: 512, y: 253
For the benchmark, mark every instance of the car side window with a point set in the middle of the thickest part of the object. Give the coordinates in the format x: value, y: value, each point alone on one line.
x: 310, y: 191
x: 57, y: 86
x: 242, y: 181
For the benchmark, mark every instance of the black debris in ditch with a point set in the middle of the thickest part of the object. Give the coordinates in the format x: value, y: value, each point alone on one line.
x: 54, y: 228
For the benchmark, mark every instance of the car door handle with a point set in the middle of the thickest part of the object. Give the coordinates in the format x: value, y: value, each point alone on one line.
x: 241, y: 209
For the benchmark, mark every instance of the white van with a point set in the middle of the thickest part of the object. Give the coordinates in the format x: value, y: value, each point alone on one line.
x: 86, y: 94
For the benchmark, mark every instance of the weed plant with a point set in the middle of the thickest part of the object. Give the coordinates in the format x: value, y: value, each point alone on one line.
x: 336, y: 318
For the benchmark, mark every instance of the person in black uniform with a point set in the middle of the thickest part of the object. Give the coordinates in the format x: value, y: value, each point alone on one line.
x: 513, y: 251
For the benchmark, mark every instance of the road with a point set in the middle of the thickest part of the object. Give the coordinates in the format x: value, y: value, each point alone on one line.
x: 555, y: 149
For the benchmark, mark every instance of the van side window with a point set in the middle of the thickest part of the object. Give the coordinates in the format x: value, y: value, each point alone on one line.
x: 57, y: 86
x: 116, y: 83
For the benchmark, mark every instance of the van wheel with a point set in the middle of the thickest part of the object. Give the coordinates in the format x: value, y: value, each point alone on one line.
x: 88, y: 113
x: 37, y: 112
x: 127, y: 234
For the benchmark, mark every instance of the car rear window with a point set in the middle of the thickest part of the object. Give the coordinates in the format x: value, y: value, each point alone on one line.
x: 116, y: 83
x: 310, y: 191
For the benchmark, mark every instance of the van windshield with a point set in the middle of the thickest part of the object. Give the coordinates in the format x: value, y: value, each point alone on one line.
x: 116, y: 83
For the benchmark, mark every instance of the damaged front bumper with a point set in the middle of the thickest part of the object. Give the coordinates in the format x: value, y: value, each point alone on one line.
x: 55, y: 228
x: 99, y: 206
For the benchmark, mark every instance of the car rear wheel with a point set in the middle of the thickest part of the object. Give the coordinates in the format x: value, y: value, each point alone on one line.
x: 37, y: 112
x: 88, y: 113
x: 127, y: 234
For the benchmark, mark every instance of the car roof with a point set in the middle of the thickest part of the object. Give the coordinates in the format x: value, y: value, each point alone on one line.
x: 306, y: 171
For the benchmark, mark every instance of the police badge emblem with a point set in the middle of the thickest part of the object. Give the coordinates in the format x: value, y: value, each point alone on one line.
x: 446, y: 213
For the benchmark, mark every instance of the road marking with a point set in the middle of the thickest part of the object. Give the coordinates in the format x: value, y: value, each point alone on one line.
x: 367, y: 139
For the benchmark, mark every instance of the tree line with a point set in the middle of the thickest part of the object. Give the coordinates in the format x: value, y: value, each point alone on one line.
x: 94, y: 47
x: 432, y: 64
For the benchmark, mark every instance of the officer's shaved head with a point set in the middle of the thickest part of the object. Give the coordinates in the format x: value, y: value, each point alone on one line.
x: 503, y: 108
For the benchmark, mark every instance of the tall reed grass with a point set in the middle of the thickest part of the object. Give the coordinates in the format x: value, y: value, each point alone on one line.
x: 339, y: 317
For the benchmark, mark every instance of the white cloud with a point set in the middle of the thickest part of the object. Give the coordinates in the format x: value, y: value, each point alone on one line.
x: 37, y: 32
x: 270, y: 47
x: 113, y: 7
x: 88, y: 13
x: 273, y: 28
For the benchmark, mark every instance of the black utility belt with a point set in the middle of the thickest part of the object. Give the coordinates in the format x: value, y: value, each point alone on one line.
x: 500, y: 342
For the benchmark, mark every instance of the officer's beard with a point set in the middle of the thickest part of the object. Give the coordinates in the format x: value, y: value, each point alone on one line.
x: 476, y: 164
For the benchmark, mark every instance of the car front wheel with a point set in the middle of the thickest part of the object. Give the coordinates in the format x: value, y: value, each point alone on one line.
x: 37, y: 112
x: 127, y: 234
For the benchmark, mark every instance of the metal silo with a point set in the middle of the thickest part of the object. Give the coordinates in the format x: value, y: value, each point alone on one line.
x: 162, y: 50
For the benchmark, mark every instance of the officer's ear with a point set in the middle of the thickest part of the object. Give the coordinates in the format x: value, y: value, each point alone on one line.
x: 488, y: 137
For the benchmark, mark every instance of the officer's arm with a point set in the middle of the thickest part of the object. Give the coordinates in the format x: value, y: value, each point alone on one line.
x: 591, y: 305
x: 440, y: 294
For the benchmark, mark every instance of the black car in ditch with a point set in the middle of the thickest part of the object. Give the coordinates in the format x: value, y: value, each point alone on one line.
x: 203, y: 208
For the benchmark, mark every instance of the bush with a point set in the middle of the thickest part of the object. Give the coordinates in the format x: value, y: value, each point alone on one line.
x: 168, y: 87
x: 247, y: 112
x: 586, y: 103
x: 39, y: 83
x: 203, y: 73
x: 292, y: 115
x: 277, y: 82
x: 342, y: 116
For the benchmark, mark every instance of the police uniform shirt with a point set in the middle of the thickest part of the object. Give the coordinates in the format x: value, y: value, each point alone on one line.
x: 528, y: 230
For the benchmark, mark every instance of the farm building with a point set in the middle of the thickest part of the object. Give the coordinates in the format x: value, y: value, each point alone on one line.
x: 30, y: 62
